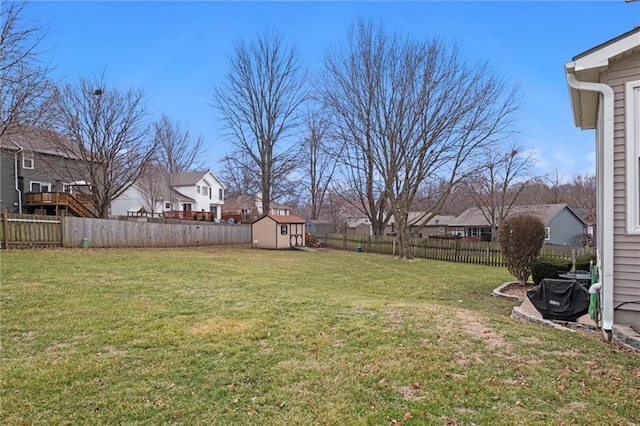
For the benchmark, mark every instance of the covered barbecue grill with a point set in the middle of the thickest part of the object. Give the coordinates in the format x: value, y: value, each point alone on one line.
x: 564, y: 300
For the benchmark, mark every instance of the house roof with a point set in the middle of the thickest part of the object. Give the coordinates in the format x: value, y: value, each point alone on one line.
x: 281, y: 218
x: 588, y: 66
x: 546, y: 212
x: 191, y: 178
x: 319, y: 222
x: 416, y: 218
x: 354, y: 222
x: 38, y: 140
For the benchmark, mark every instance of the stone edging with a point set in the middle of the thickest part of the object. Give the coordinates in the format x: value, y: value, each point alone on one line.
x: 497, y: 292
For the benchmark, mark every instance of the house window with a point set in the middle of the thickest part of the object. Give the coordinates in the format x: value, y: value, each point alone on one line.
x: 40, y: 186
x: 632, y: 128
x: 27, y: 160
x: 205, y: 190
x: 210, y: 192
x: 547, y: 233
x: 245, y: 214
x: 284, y: 229
x: 167, y: 205
x: 214, y: 211
x: 220, y: 194
x: 186, y: 207
x: 198, y: 189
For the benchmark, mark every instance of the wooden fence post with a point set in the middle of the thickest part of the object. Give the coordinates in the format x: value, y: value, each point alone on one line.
x: 5, y: 222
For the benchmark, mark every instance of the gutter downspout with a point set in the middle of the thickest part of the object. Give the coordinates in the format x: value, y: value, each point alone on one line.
x: 15, y: 171
x: 605, y: 242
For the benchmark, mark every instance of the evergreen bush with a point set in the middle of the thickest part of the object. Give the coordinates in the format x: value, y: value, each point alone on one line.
x: 548, y: 267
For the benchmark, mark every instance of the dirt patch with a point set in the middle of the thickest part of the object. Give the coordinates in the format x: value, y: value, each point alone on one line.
x: 517, y: 290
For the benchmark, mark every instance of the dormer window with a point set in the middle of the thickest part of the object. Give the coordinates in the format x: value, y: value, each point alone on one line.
x: 27, y: 160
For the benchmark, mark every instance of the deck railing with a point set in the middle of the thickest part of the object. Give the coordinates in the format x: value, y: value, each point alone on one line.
x: 80, y: 203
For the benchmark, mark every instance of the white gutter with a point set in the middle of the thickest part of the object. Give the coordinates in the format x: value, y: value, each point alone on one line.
x: 604, y: 150
x: 15, y: 173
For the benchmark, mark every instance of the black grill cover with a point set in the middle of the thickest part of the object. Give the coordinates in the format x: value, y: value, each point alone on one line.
x: 564, y: 300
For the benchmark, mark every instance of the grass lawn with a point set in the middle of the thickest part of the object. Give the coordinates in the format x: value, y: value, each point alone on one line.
x: 228, y: 336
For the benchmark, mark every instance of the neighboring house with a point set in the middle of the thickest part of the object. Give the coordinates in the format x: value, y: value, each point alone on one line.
x: 562, y: 225
x: 248, y: 208
x: 604, y: 85
x: 36, y: 177
x: 358, y: 225
x: 438, y: 226
x: 319, y: 227
x: 277, y: 232
x: 176, y: 195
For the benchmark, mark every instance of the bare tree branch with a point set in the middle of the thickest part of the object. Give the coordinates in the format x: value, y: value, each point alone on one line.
x: 108, y: 130
x: 259, y: 101
x: 412, y: 111
x: 24, y: 85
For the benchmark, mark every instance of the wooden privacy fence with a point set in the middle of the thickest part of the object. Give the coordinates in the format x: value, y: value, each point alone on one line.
x: 449, y: 250
x: 71, y: 231
x: 25, y: 231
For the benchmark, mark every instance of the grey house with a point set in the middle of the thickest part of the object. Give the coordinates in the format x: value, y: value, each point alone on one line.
x: 563, y: 226
x: 37, y: 178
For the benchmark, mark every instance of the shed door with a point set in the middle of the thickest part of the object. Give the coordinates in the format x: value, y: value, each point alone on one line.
x: 296, y: 237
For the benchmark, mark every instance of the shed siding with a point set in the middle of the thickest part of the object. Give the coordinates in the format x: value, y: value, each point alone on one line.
x: 626, y: 247
x: 262, y: 233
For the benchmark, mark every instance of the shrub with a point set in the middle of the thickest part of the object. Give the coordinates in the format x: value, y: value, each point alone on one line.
x: 521, y: 238
x: 585, y: 260
x: 548, y: 267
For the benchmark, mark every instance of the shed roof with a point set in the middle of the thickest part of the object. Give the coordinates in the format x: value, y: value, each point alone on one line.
x: 281, y: 218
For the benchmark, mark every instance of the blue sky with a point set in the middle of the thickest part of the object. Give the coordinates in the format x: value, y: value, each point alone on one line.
x: 177, y: 51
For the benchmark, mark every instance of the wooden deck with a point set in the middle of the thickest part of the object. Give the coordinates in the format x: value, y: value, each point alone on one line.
x: 59, y: 203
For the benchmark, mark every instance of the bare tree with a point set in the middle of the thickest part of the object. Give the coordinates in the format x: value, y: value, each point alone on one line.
x: 555, y: 187
x: 107, y: 129
x: 582, y: 193
x: 259, y: 101
x: 177, y: 150
x: 239, y: 174
x: 499, y: 182
x: 416, y: 111
x: 24, y: 84
x: 321, y: 157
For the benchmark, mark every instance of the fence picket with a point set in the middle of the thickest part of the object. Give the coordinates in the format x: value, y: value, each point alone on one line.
x: 448, y: 250
x: 69, y: 231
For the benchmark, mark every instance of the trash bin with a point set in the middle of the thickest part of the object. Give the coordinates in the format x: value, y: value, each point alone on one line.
x: 84, y: 243
x: 564, y: 300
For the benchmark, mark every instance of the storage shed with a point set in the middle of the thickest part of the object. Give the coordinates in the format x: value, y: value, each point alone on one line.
x: 277, y: 232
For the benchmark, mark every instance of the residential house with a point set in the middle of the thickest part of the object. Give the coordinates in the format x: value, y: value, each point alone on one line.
x: 438, y: 226
x: 189, y: 195
x: 604, y: 87
x: 563, y: 226
x: 277, y: 232
x: 358, y: 225
x: 38, y: 177
x: 248, y: 208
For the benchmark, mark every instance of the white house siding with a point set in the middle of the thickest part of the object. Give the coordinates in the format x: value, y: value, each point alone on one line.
x: 626, y: 247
